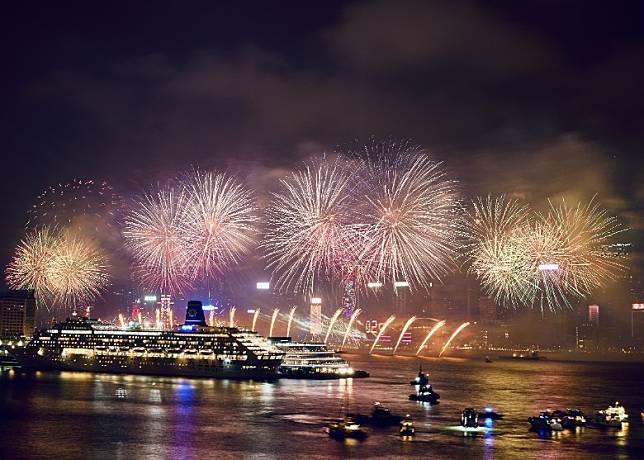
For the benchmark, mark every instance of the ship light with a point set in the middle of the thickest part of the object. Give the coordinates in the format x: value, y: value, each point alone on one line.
x: 41, y: 352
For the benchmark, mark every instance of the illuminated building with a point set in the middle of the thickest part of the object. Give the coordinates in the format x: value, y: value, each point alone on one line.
x: 637, y: 320
x: 194, y: 349
x: 17, y: 313
x: 165, y: 305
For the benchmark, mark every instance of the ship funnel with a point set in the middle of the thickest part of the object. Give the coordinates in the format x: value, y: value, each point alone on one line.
x: 194, y: 314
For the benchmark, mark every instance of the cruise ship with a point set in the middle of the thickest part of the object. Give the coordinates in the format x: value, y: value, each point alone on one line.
x: 193, y: 349
x: 313, y: 361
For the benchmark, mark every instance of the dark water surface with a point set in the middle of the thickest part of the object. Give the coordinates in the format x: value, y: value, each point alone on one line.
x: 83, y: 415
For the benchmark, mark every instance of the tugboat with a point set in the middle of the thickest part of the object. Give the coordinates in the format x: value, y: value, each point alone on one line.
x: 346, y: 428
x: 407, y: 427
x: 425, y: 393
x: 489, y: 413
x: 421, y: 379
x: 545, y: 422
x: 612, y: 417
x: 469, y: 418
x: 570, y: 418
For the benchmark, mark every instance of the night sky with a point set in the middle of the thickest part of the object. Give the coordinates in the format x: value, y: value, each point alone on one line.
x: 534, y: 99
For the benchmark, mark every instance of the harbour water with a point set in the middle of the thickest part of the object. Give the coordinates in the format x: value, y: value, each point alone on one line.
x: 83, y: 415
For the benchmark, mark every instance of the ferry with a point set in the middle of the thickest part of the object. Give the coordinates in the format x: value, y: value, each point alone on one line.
x: 612, y: 417
x: 311, y: 360
x: 194, y: 349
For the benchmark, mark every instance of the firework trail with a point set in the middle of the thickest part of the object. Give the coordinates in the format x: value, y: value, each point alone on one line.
x: 65, y: 269
x: 406, y: 208
x: 355, y: 314
x: 385, y: 325
x: 231, y: 316
x: 334, y: 318
x: 431, y: 332
x: 402, y: 332
x: 291, y: 314
x: 310, y: 234
x: 153, y: 233
x: 255, y: 316
x: 273, y: 319
x: 452, y: 337
x: 219, y: 224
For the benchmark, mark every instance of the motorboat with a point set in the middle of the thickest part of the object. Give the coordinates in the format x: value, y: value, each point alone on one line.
x: 407, y: 427
x: 469, y: 418
x: 425, y: 393
x: 570, y: 418
x: 545, y: 422
x: 612, y: 417
x: 346, y: 428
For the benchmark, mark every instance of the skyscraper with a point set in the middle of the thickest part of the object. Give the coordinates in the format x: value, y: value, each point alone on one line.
x: 17, y: 313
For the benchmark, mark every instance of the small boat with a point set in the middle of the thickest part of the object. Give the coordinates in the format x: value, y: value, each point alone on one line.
x: 487, y: 359
x: 380, y: 416
x: 421, y: 379
x: 545, y: 422
x: 570, y: 418
x: 425, y: 393
x: 469, y: 418
x: 612, y: 417
x: 489, y: 413
x: 407, y: 427
x: 346, y: 428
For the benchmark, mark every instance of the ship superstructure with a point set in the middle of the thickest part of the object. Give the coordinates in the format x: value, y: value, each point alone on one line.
x: 194, y: 349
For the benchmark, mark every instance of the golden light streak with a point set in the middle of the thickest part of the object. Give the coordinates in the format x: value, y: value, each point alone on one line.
x: 291, y: 314
x: 402, y: 332
x: 351, y: 321
x: 231, y: 317
x: 334, y: 318
x: 273, y: 318
x: 431, y: 332
x: 255, y: 316
x: 385, y: 325
x: 453, y: 336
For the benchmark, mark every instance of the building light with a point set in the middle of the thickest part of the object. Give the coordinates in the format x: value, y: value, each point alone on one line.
x: 399, y: 284
x: 150, y: 298
x: 263, y: 285
x: 208, y: 308
x: 548, y: 267
x: 316, y: 300
x: 374, y: 284
x: 638, y: 306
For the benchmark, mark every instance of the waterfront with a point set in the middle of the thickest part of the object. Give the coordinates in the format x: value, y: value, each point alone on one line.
x: 85, y: 415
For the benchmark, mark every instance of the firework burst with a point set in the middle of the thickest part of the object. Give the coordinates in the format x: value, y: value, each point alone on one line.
x: 523, y: 258
x: 406, y: 209
x: 64, y: 268
x: 220, y: 219
x: 310, y: 233
x: 153, y: 233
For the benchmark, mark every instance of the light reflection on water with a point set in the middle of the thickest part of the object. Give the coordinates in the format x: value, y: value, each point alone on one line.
x: 85, y: 417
